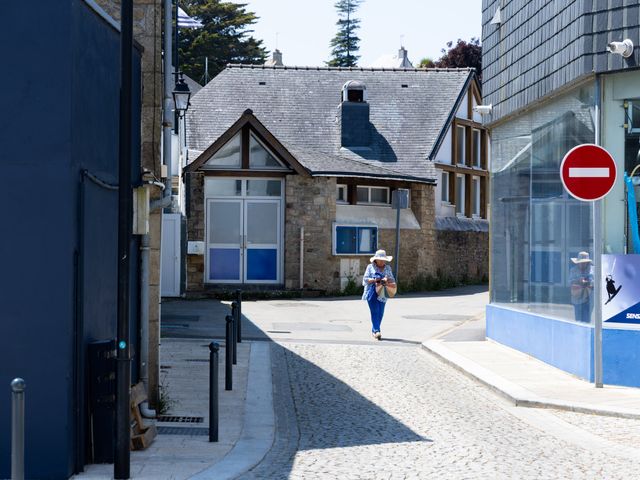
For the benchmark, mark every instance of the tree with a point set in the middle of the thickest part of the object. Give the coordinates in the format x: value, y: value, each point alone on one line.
x: 426, y: 62
x: 462, y: 55
x: 223, y: 39
x: 345, y: 44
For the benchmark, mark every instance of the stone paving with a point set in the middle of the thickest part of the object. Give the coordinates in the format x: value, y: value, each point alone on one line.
x: 622, y: 431
x: 394, y: 412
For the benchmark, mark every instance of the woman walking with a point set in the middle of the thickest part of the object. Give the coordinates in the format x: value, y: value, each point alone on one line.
x: 377, y: 273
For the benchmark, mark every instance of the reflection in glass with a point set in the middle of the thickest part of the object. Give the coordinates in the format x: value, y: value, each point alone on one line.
x: 264, y: 188
x: 222, y: 187
x: 262, y: 223
x: 224, y: 222
x: 227, y: 156
x: 536, y: 227
x: 259, y: 156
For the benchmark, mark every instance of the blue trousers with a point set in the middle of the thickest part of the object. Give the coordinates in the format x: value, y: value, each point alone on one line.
x: 583, y: 311
x: 376, y: 307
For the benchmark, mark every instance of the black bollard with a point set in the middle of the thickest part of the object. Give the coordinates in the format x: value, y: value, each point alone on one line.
x: 239, y: 315
x: 234, y: 315
x: 214, y: 349
x: 17, y: 429
x: 228, y: 372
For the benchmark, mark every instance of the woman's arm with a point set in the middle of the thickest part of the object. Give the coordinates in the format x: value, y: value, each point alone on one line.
x: 389, y: 274
x: 368, y: 276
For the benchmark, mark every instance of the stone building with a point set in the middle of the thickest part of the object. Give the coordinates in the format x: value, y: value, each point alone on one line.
x: 292, y: 171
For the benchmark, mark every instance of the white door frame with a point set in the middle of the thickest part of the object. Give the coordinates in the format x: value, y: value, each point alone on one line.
x: 209, y: 245
x: 247, y: 246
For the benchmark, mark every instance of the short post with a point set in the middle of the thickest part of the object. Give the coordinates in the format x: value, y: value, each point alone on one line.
x: 228, y: 372
x: 214, y: 350
x: 239, y: 315
x: 18, y: 386
x: 234, y: 315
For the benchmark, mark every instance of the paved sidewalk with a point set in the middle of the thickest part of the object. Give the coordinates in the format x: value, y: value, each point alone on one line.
x: 526, y: 381
x: 182, y: 450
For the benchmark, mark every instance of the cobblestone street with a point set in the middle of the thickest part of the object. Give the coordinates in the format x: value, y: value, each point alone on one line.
x: 395, y: 412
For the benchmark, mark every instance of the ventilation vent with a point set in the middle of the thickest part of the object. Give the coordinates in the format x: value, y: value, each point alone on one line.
x: 262, y: 83
x: 404, y: 85
x: 177, y: 419
x: 162, y: 430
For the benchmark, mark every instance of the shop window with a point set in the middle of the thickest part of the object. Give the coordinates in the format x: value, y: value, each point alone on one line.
x: 373, y: 195
x: 355, y: 240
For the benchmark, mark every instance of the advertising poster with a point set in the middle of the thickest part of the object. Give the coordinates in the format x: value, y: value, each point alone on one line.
x: 621, y: 289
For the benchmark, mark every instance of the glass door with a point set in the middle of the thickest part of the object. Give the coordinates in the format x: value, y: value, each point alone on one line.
x: 224, y: 241
x: 262, y: 240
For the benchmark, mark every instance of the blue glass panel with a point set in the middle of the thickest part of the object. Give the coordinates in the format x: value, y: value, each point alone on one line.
x: 224, y: 264
x: 546, y: 267
x: 262, y: 264
x: 346, y: 239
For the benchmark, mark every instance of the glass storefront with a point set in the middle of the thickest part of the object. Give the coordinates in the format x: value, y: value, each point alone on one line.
x: 536, y: 227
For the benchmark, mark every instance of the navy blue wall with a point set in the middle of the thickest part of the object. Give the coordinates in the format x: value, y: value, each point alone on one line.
x: 60, y: 117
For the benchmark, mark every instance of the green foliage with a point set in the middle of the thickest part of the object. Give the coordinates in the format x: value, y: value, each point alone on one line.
x: 223, y: 39
x: 426, y: 62
x: 428, y: 283
x: 462, y: 54
x: 352, y: 288
x: 345, y: 44
x: 165, y: 402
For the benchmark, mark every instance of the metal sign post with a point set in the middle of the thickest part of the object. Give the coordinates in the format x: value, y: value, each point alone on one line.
x: 588, y: 172
x: 399, y: 199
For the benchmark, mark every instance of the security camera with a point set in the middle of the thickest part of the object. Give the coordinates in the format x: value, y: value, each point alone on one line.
x: 483, y: 109
x: 624, y: 48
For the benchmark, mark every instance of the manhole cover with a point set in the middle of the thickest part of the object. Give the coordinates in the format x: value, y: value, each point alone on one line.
x: 345, y: 320
x: 295, y: 304
x: 180, y: 419
x: 320, y: 327
x: 163, y: 430
x: 443, y: 317
x: 278, y: 331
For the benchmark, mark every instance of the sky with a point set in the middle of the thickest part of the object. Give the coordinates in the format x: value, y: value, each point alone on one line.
x: 304, y: 28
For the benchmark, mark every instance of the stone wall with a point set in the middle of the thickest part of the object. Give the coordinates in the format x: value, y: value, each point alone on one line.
x: 463, y: 255
x: 310, y: 203
x: 195, y: 229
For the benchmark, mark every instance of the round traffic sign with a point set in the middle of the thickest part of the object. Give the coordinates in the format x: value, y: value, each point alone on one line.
x: 588, y: 172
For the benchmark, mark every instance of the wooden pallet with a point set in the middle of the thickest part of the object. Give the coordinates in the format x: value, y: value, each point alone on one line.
x: 141, y: 436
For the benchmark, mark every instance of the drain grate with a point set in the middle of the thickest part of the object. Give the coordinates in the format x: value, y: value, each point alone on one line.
x: 162, y: 430
x: 179, y: 419
x: 196, y: 360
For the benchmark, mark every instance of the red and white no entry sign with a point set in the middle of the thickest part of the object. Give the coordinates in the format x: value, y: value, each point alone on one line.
x: 588, y: 172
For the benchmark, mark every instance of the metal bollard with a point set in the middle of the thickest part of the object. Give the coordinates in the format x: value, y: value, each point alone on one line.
x: 239, y: 315
x: 234, y: 315
x: 17, y: 429
x: 228, y: 372
x: 214, y: 350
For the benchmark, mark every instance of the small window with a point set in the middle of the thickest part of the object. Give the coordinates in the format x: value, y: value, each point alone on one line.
x: 373, y: 195
x: 227, y: 156
x: 476, y: 197
x: 477, y: 148
x: 264, y: 188
x: 461, y: 140
x: 355, y: 240
x: 222, y: 187
x: 259, y: 156
x: 460, y: 198
x: 341, y: 194
x: 444, y: 187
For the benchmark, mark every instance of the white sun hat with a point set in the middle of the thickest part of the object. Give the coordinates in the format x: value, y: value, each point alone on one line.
x: 583, y: 257
x: 381, y: 255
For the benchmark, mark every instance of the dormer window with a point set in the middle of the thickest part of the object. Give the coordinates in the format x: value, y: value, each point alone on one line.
x: 354, y: 91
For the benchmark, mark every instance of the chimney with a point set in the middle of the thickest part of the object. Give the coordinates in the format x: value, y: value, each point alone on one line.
x: 354, y: 116
x: 275, y: 60
x: 403, y: 57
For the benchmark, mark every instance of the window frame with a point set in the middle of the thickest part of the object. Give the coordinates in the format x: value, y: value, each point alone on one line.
x: 476, y: 200
x: 460, y: 156
x: 461, y: 191
x: 476, y: 148
x: 334, y: 245
x: 445, y: 188
x: 369, y: 188
x: 345, y: 188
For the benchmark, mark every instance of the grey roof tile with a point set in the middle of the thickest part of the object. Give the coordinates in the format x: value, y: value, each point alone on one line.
x: 299, y: 105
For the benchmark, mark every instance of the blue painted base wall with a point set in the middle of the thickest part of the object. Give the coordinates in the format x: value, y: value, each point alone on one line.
x: 568, y: 346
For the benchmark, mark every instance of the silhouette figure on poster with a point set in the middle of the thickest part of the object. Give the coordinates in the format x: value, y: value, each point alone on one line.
x: 612, y: 291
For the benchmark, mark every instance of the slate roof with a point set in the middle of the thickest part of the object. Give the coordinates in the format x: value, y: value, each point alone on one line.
x: 409, y: 111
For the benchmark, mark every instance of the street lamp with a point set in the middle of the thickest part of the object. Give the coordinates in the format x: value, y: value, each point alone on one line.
x: 181, y: 96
